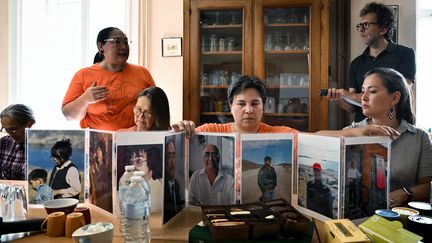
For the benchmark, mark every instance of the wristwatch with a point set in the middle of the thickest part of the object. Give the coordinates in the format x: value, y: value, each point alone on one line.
x: 409, y: 193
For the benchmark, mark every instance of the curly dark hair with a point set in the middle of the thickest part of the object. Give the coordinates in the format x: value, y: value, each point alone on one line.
x: 384, y: 17
x: 62, y: 150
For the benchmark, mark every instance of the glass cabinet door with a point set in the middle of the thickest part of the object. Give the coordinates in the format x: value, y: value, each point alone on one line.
x: 287, y: 65
x: 221, y: 44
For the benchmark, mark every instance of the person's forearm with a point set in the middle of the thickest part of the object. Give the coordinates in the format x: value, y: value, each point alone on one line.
x: 347, y: 107
x: 349, y: 132
x: 75, y: 110
x: 422, y: 191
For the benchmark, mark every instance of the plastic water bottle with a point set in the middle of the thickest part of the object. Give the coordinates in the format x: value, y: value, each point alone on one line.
x: 146, y: 187
x: 123, y: 186
x: 136, y: 217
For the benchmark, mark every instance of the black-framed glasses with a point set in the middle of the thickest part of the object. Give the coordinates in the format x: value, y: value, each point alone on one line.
x: 364, y: 25
x: 10, y: 130
x: 145, y: 113
x: 118, y: 41
x: 213, y: 155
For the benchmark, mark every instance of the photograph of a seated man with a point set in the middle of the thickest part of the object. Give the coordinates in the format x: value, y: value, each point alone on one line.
x: 210, y: 185
x: 319, y: 196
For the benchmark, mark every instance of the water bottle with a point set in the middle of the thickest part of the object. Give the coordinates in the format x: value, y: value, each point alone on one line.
x: 123, y: 186
x: 146, y: 187
x: 136, y: 217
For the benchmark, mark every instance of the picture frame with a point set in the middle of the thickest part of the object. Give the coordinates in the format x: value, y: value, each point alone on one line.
x: 395, y: 10
x: 172, y: 47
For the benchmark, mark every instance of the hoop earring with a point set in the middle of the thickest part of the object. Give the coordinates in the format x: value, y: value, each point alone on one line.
x: 391, y: 114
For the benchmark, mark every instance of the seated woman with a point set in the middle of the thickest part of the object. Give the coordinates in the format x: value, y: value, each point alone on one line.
x: 246, y: 98
x: 386, y: 101
x: 14, y: 120
x: 151, y: 111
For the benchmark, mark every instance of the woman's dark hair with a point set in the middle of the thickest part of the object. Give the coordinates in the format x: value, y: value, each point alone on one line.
x: 19, y: 114
x: 394, y: 81
x: 159, y: 107
x: 384, y: 17
x: 62, y: 150
x: 154, y: 162
x: 246, y: 82
x: 101, y: 37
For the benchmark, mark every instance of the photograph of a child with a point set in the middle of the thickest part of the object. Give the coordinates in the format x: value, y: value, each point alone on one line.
x: 266, y: 168
x: 211, y: 170
x: 100, y: 170
x: 59, y: 153
x: 318, y: 175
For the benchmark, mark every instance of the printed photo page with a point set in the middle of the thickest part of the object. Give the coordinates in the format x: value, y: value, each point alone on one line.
x: 266, y: 167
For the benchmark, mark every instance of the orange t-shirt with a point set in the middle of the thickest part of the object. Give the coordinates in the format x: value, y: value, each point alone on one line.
x: 116, y: 111
x: 228, y: 128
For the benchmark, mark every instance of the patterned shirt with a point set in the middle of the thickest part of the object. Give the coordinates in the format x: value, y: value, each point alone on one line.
x: 12, y: 159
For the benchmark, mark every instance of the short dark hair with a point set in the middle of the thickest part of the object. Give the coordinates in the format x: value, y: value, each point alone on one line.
x: 62, y: 149
x: 19, y: 114
x: 394, y: 81
x: 384, y: 15
x: 101, y: 37
x: 159, y: 107
x: 246, y: 82
x: 38, y: 174
x: 267, y: 158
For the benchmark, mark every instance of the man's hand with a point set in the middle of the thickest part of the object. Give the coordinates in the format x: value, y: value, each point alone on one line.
x: 185, y: 126
x: 398, y: 198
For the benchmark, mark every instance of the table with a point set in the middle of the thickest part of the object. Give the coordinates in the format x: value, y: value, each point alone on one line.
x: 175, y: 231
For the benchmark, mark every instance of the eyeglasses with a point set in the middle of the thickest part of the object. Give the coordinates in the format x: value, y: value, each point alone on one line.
x: 118, y: 41
x: 213, y: 155
x: 364, y: 25
x: 147, y: 114
x: 10, y: 130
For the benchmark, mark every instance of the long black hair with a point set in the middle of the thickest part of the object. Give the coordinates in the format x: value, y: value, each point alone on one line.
x: 101, y: 37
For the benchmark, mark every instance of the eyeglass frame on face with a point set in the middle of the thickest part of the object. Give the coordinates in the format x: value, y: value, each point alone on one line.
x: 118, y: 41
x: 364, y: 25
x: 12, y: 130
x: 138, y: 112
x: 211, y: 154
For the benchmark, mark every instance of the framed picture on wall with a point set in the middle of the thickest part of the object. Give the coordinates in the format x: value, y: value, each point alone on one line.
x: 395, y: 10
x: 172, y: 47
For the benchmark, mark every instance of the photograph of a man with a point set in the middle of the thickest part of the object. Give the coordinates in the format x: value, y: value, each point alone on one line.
x: 172, y: 200
x: 318, y: 196
x: 354, y: 181
x: 267, y: 180
x: 210, y: 185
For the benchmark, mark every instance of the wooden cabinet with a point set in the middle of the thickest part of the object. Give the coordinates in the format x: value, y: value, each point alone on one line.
x: 284, y: 43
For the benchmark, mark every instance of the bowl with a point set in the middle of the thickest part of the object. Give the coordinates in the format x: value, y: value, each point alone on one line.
x: 99, y: 232
x: 66, y: 205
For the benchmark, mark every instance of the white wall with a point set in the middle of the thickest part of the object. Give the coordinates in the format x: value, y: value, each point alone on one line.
x: 407, y: 20
x: 4, y: 52
x: 166, y: 20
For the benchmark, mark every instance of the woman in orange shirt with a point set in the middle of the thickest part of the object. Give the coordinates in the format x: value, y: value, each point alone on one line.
x: 102, y: 96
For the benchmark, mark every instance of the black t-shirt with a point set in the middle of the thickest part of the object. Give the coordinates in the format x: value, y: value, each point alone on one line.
x: 398, y: 57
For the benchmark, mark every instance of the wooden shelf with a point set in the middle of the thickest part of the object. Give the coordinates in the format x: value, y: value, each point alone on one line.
x: 222, y: 26
x: 277, y: 86
x: 274, y: 52
x: 288, y: 25
x: 209, y: 53
x: 215, y: 86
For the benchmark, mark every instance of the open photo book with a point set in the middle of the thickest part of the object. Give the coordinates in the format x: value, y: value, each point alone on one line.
x: 323, y: 177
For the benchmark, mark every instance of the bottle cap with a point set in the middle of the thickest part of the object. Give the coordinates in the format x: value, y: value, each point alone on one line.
x: 136, y: 178
x: 129, y: 167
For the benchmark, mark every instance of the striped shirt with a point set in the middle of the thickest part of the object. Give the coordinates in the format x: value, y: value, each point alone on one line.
x: 12, y: 159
